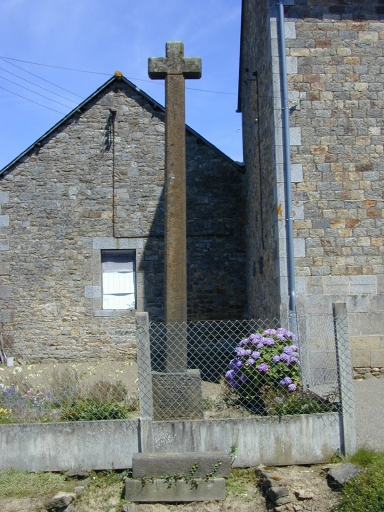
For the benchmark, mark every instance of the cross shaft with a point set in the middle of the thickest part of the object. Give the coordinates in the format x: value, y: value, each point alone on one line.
x: 175, y: 68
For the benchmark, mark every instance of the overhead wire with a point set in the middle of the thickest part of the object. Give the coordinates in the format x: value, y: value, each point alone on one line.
x: 37, y: 103
x: 36, y: 85
x: 40, y: 78
x: 227, y: 135
x: 34, y: 92
x: 107, y: 74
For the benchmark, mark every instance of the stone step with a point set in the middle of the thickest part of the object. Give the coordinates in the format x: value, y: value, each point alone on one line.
x: 159, y: 490
x: 156, y: 465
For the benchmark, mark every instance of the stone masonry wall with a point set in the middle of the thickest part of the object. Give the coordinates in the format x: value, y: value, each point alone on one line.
x: 257, y: 103
x: 79, y: 193
x: 336, y: 106
x: 335, y: 57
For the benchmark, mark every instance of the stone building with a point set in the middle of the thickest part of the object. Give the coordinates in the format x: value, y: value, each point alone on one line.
x: 334, y: 67
x: 82, y: 230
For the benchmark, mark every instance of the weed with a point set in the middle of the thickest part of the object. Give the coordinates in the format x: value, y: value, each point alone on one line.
x: 365, y: 457
x: 365, y: 492
x: 90, y: 410
x: 240, y: 481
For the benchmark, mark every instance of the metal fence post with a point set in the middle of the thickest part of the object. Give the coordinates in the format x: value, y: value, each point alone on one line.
x: 145, y: 381
x: 345, y: 381
x: 304, y: 350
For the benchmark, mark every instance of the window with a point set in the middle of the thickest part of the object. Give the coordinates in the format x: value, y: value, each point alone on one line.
x: 119, y: 281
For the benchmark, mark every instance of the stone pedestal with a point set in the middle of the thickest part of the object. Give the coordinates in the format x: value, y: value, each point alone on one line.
x: 173, y: 477
x: 177, y: 395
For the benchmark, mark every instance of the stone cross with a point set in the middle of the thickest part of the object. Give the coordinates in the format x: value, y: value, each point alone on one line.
x: 175, y: 68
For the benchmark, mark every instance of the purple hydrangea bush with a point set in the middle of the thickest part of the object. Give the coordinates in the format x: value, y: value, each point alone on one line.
x: 265, y: 361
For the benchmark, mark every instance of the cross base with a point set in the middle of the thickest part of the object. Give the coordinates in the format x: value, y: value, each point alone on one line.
x: 177, y: 395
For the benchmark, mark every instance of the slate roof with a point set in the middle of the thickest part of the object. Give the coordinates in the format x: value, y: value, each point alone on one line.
x: 8, y: 168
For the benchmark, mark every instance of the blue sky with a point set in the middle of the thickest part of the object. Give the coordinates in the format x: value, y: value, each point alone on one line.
x: 104, y: 36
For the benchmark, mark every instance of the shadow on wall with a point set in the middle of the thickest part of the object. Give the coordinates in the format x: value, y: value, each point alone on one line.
x: 215, y: 240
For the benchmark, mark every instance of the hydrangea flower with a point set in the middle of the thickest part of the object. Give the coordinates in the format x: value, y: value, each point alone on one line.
x: 235, y: 364
x: 255, y: 338
x: 292, y: 387
x: 277, y: 357
x: 270, y: 331
x: 231, y: 374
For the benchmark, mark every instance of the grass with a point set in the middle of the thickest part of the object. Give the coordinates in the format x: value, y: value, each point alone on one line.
x: 365, y: 492
x: 22, y: 484
x: 240, y: 480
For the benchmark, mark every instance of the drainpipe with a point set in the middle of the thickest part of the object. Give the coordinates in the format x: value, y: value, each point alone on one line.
x: 287, y: 170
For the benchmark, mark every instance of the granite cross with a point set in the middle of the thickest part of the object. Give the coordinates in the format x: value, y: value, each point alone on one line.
x: 175, y: 68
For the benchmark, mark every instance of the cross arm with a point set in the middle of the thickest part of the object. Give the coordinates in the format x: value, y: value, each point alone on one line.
x: 174, y: 63
x: 159, y: 67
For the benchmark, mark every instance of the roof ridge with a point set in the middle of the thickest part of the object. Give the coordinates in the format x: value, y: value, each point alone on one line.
x: 7, y: 169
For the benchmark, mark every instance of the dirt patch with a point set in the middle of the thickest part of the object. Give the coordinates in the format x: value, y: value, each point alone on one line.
x: 104, y: 492
x: 312, y: 480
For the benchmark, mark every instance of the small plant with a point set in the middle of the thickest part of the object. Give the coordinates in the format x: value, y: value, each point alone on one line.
x: 90, y: 410
x: 108, y: 391
x: 5, y: 415
x: 232, y: 453
x: 281, y: 402
x: 212, y: 473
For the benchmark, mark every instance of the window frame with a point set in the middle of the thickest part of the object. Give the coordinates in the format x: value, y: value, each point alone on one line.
x: 131, y: 258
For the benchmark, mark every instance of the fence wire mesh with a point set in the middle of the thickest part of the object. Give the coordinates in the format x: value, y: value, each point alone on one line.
x: 204, y: 369
x: 100, y: 390
x: 231, y: 369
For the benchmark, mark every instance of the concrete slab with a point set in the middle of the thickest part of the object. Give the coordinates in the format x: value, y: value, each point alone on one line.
x: 158, y: 464
x: 159, y: 490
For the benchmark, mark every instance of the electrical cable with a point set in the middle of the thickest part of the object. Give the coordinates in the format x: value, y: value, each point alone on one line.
x: 41, y: 105
x: 30, y: 90
x: 40, y: 78
x: 227, y: 135
x: 36, y: 85
x: 56, y: 67
x: 107, y: 74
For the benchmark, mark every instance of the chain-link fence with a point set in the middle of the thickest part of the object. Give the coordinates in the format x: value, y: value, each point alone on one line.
x: 196, y: 370
x: 232, y: 369
x: 99, y: 390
